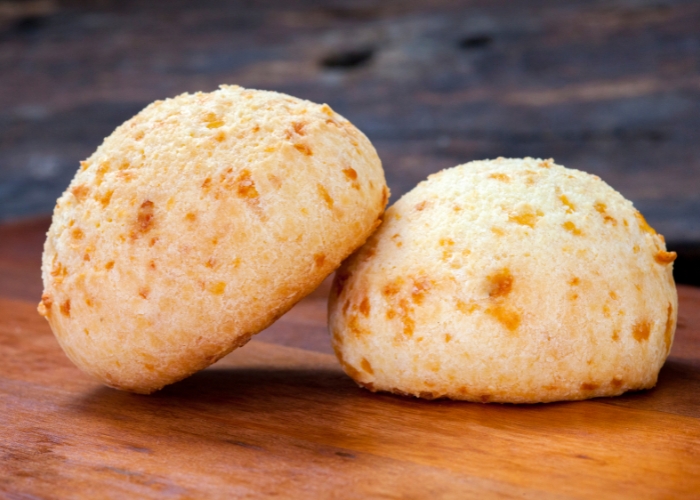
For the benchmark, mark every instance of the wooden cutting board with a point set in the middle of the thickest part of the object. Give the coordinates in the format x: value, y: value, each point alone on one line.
x: 270, y: 420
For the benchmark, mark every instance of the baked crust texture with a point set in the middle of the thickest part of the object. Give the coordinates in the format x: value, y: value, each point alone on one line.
x: 198, y: 223
x: 511, y: 280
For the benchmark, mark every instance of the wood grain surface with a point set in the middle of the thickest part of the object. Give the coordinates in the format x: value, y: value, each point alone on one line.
x: 270, y: 420
x: 608, y: 87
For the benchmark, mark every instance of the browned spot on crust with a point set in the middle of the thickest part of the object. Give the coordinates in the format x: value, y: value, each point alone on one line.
x: 421, y: 285
x: 393, y: 287
x: 616, y: 383
x: 616, y: 335
x: 102, y: 169
x: 420, y: 206
x: 509, y: 318
x: 500, y: 177
x: 385, y: 195
x: 613, y: 295
x: 139, y: 135
x: 109, y: 265
x: 212, y: 120
x: 354, y: 325
x: 350, y: 173
x: 366, y: 366
x: 365, y: 307
x: 390, y: 314
x: 65, y: 308
x: 527, y: 216
x: 571, y: 227
x: 466, y: 308
x: 303, y: 148
x: 574, y: 281
x: 77, y: 234
x: 299, y: 127
x: 497, y: 231
x: 206, y: 185
x: 641, y: 330
x: 319, y: 259
x: 643, y: 225
x: 324, y: 194
x: 601, y: 209
x: 346, y: 305
x: 546, y: 163
x: 447, y: 253
x: 663, y: 257
x: 409, y: 324
x: 84, y: 165
x: 105, y: 198
x: 80, y: 192
x: 191, y: 217
x: 501, y: 283
x: 144, y: 219
x: 144, y: 291
x: 45, y: 305
x: 569, y: 206
x: 245, y: 186
x: 217, y: 288
x: 668, y: 332
x: 606, y: 311
x: 589, y: 386
x: 256, y: 128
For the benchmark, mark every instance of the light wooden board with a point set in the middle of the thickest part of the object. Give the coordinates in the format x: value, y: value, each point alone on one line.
x: 272, y: 420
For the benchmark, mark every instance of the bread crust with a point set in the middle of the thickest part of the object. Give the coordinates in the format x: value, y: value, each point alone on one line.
x: 511, y: 280
x: 198, y: 223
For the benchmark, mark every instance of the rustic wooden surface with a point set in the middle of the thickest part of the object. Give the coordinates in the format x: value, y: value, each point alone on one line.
x: 270, y: 420
x: 276, y: 420
x: 608, y: 87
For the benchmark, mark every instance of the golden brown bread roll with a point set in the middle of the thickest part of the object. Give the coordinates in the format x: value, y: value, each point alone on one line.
x: 513, y: 280
x: 199, y: 222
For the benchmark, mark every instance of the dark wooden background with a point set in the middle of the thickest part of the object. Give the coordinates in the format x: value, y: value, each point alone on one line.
x: 610, y: 87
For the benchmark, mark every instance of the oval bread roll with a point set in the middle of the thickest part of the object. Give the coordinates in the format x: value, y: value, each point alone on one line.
x: 513, y: 280
x: 197, y: 224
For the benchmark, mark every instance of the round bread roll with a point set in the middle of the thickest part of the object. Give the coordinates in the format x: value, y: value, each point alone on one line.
x: 197, y: 224
x: 513, y: 280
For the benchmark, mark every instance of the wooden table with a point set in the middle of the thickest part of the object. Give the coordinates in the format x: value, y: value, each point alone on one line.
x: 275, y: 420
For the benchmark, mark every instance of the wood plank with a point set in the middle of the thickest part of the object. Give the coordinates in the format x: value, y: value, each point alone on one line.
x: 273, y: 420
x: 608, y: 88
